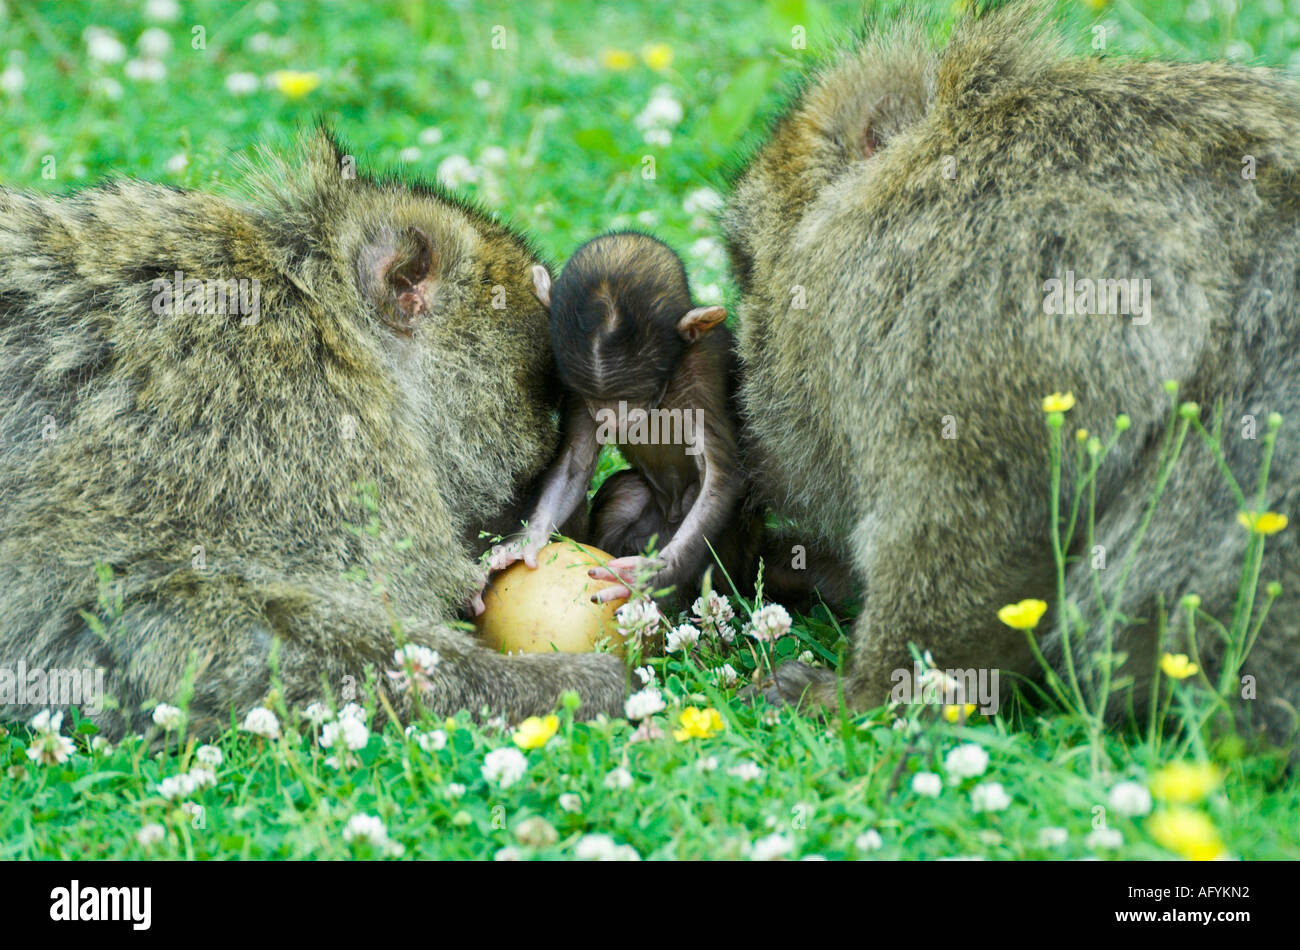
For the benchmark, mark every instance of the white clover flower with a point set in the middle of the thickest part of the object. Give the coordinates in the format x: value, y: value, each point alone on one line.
x: 50, y: 748
x: 47, y: 722
x: 713, y: 609
x: 772, y: 848
x: 100, y: 744
x: 494, y: 156
x: 108, y: 87
x: 645, y: 674
x: 702, y: 201
x: 659, y: 138
x: 162, y: 11
x: 209, y: 755
x: 409, y: 154
x: 989, y: 796
x: 769, y: 624
x: 12, y: 80
x: 434, y: 741
x: 425, y: 659
x: 317, y: 713
x: 266, y: 11
x: 169, y: 717
x: 429, y: 136
x: 457, y: 170
x: 242, y: 84
x: 647, y: 218
x: 869, y: 840
x: 1104, y: 838
x: 200, y: 778
x: 354, y: 711
x: 154, y: 43
x: 570, y: 802
x: 726, y: 675
x: 145, y: 70
x: 966, y: 761
x: 682, y: 638
x: 262, y: 722
x: 644, y: 703
x: 597, y: 847
x: 371, y: 830
x: 1130, y: 799
x: 663, y: 111
x: 927, y: 783
x: 455, y: 790
x: 176, y: 787
x: 177, y: 163
x: 618, y: 778
x: 260, y: 43
x: 150, y: 835
x: 103, y: 46
x: 508, y: 853
x: 746, y: 771
x: 707, y: 764
x: 637, y: 617
x: 1052, y: 837
x: 708, y: 252
x: 504, y: 767
x: 481, y: 88
x: 351, y: 731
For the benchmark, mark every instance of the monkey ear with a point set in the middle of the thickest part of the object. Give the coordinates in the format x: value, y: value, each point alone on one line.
x: 396, y: 274
x: 700, y: 321
x: 542, y: 285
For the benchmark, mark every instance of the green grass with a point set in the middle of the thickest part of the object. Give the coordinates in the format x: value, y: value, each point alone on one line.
x: 572, y: 166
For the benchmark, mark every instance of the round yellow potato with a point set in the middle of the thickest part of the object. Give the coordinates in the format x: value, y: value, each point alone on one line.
x: 548, y: 608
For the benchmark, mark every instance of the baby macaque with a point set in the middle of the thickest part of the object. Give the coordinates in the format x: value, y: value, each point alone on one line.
x: 647, y: 370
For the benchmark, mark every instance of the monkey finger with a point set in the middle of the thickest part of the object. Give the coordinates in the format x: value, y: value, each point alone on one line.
x: 618, y: 592
x: 603, y: 574
x: 475, y: 607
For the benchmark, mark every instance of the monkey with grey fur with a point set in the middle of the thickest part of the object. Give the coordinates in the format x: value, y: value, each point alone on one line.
x: 895, y: 241
x: 209, y: 457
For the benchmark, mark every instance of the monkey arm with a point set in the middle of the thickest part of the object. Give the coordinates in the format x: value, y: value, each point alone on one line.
x: 684, y: 557
x: 563, y: 490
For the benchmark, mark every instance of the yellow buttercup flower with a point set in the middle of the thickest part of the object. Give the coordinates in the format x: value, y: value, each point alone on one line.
x: 658, y: 56
x: 1184, y: 783
x: 1058, y: 402
x: 1186, y: 832
x: 619, y: 59
x: 1270, y: 522
x: 1178, y: 666
x: 1024, y: 615
x: 955, y: 713
x: 534, y: 732
x: 1081, y: 435
x: 294, y: 84
x: 698, y: 724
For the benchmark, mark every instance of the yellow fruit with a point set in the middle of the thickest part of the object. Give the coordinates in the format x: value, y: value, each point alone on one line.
x: 549, y: 608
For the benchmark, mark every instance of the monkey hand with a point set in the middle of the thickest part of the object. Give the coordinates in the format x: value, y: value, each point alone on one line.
x: 502, y: 556
x: 626, y: 572
x: 810, y: 688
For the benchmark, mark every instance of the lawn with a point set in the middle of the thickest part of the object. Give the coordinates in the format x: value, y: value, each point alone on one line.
x: 567, y: 119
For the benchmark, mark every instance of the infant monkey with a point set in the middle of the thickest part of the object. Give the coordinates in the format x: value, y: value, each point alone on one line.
x: 645, y: 368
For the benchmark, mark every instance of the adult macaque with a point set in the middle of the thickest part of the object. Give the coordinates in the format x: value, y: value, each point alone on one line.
x: 208, y: 455
x: 896, y: 241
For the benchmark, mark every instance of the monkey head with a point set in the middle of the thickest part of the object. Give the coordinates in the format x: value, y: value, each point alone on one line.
x: 621, y: 318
